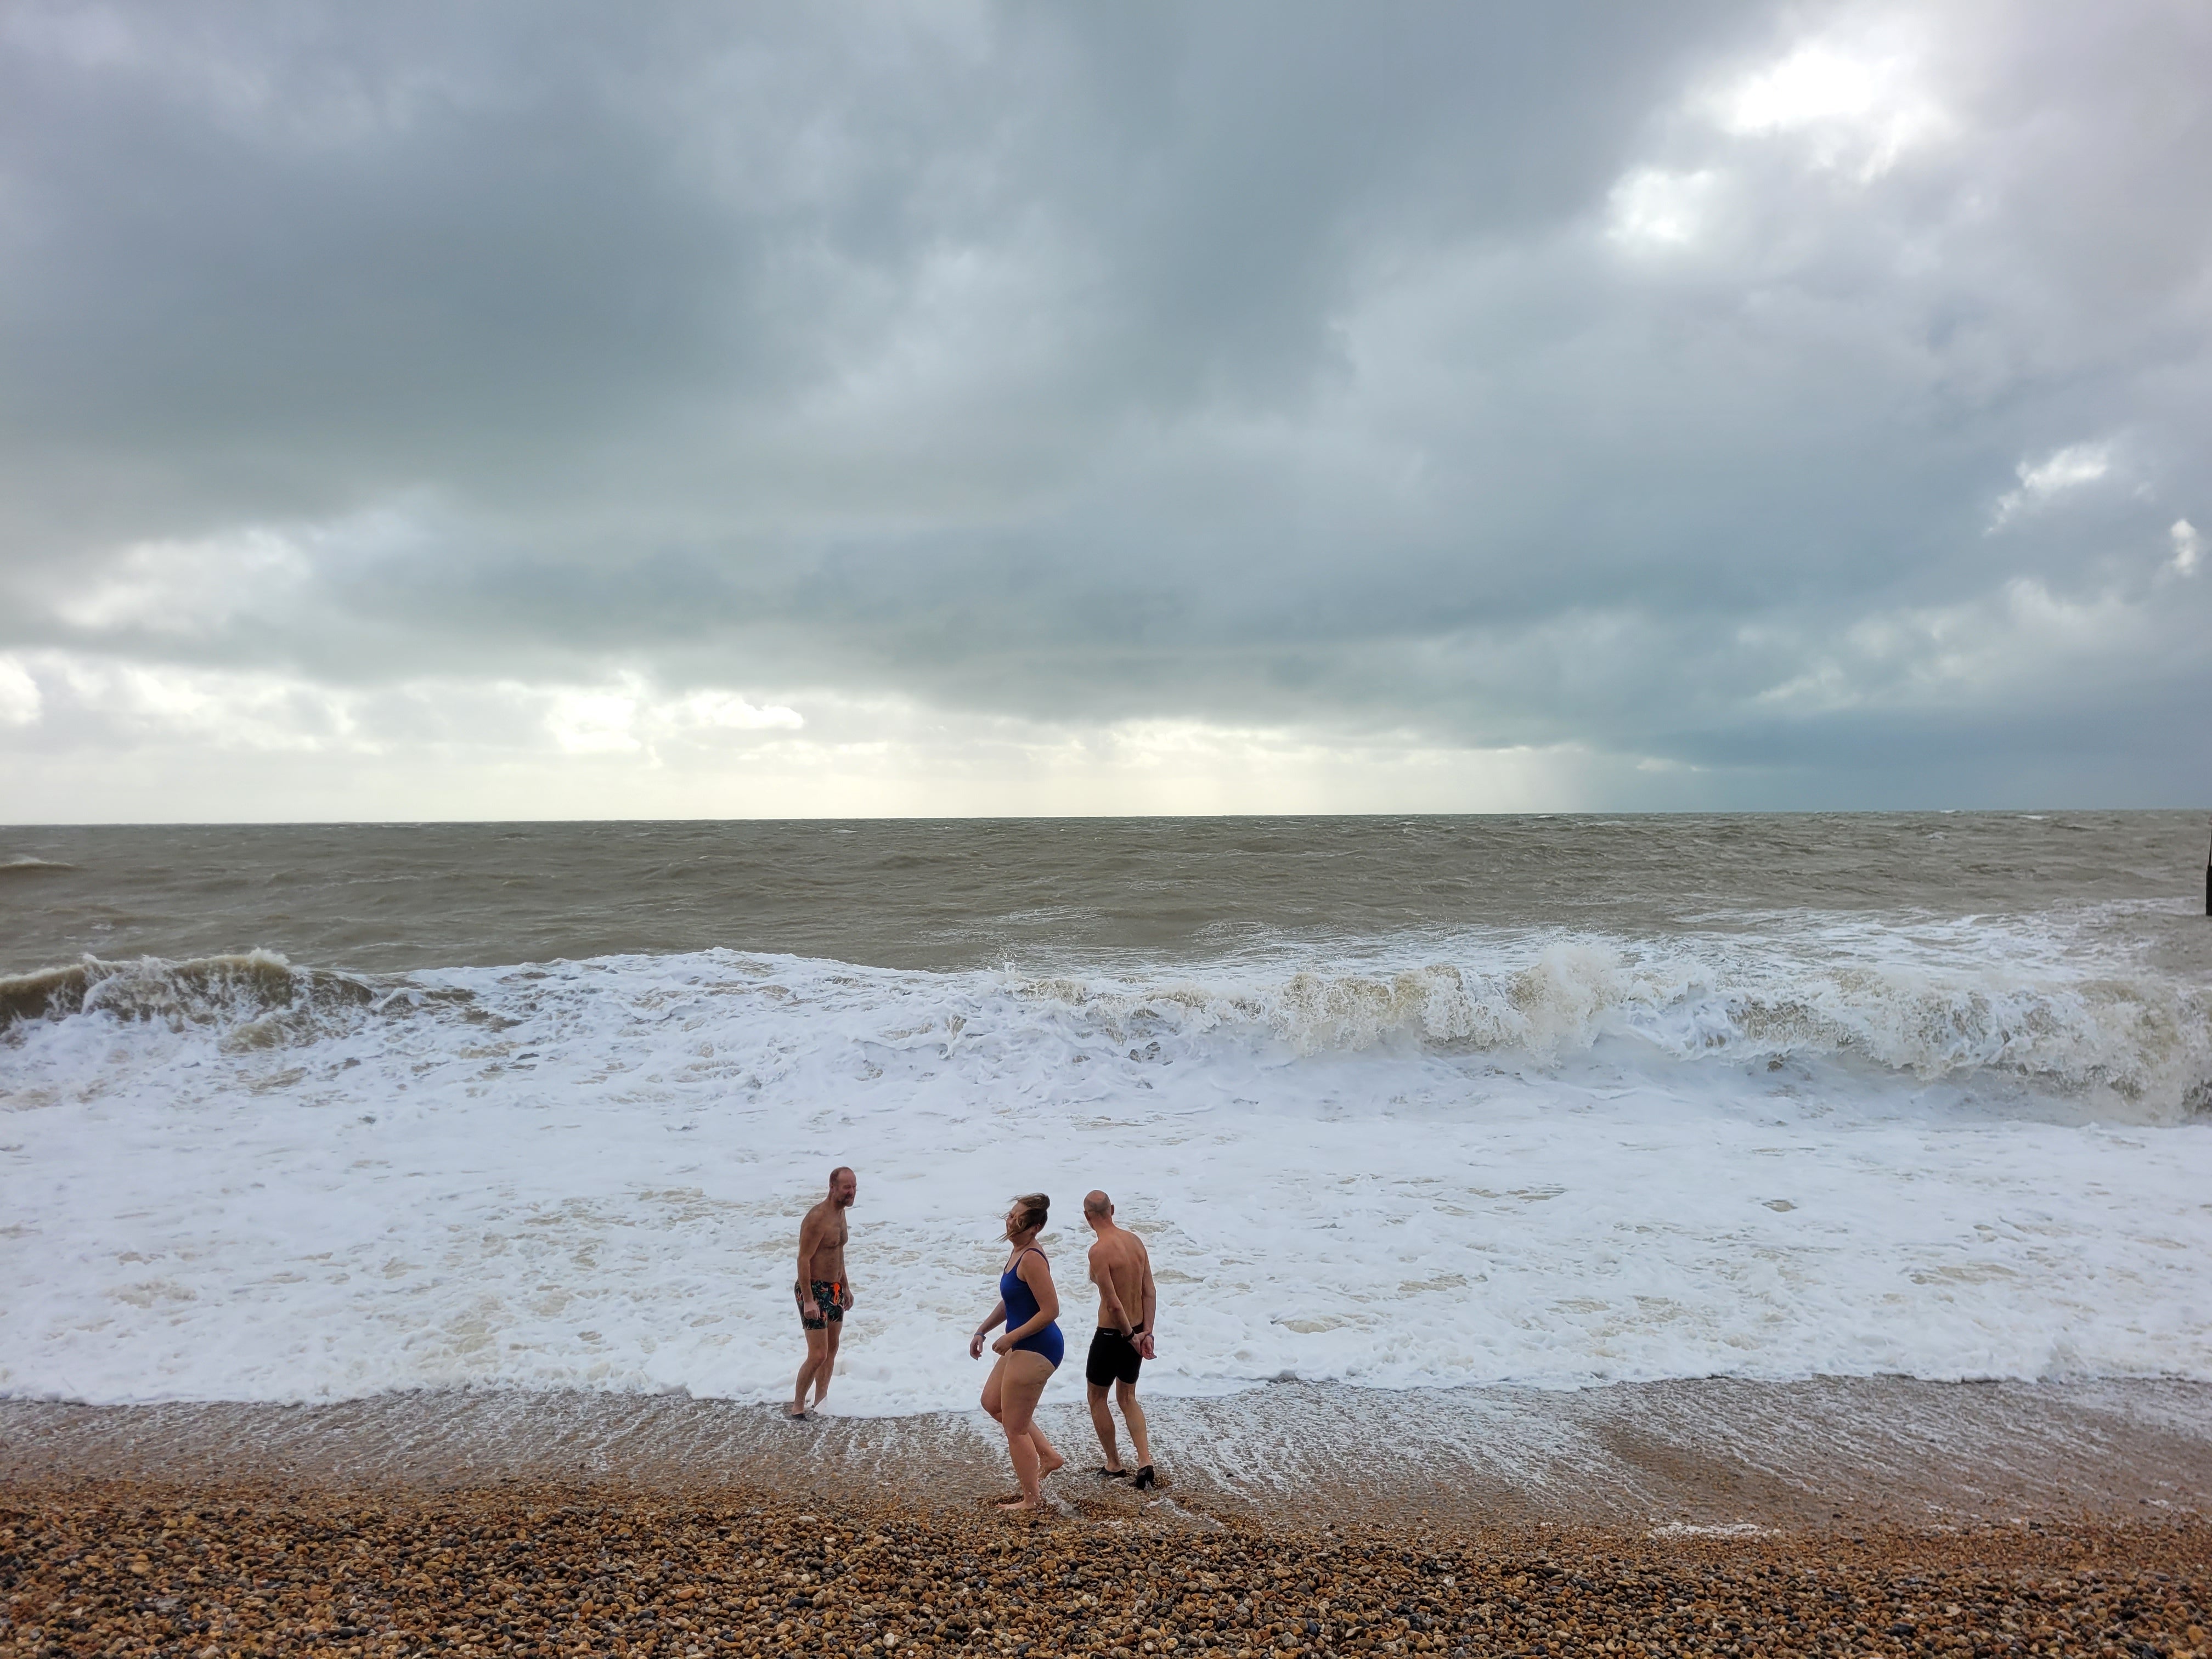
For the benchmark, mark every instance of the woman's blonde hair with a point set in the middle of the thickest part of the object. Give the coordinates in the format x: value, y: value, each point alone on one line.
x: 1030, y: 1210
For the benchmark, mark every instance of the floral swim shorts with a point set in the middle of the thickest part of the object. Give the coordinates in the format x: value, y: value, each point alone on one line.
x: 829, y: 1303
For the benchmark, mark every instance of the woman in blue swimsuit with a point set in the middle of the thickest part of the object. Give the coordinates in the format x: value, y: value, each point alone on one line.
x: 1029, y: 1353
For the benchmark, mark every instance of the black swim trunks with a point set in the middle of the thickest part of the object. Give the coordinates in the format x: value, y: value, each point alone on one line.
x: 828, y: 1304
x: 1114, y: 1359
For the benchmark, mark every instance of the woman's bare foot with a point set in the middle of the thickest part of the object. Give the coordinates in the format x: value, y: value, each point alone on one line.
x: 1021, y: 1503
x: 1045, y: 1468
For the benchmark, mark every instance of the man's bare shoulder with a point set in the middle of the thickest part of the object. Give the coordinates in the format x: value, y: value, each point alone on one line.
x: 1127, y: 1247
x: 815, y: 1217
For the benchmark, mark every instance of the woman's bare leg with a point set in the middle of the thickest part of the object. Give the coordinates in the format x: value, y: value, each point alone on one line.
x: 1020, y: 1387
x: 993, y: 1387
x: 1024, y: 1459
x: 1048, y: 1457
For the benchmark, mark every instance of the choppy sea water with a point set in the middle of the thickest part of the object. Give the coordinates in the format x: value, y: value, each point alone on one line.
x: 303, y: 1113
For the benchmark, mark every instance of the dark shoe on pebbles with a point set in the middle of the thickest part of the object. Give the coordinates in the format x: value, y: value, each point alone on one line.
x: 1145, y: 1479
x: 1105, y: 1474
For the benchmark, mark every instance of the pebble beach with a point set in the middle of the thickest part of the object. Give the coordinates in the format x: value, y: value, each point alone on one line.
x: 212, y: 1572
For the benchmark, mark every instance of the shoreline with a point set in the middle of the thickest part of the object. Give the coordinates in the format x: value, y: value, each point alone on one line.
x: 1844, y: 1517
x: 1821, y: 1453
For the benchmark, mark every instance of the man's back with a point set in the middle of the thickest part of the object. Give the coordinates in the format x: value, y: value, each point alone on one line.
x: 1120, y: 1267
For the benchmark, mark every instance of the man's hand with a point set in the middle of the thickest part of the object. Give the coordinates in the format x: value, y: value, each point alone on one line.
x: 845, y: 1297
x: 1145, y: 1346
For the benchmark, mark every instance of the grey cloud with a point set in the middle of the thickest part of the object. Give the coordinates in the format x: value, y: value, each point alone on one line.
x: 1260, y: 364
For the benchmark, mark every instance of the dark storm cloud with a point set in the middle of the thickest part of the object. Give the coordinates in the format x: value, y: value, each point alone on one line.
x: 1489, y: 376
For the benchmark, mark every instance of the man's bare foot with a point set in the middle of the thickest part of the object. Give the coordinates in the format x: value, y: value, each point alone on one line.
x: 796, y: 1414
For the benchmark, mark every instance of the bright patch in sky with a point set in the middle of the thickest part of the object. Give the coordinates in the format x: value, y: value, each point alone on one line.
x: 1814, y: 83
x: 592, y: 722
x: 1654, y: 208
x: 19, y: 701
x: 726, y: 708
x: 186, y: 587
x: 2188, y: 548
x: 1861, y: 112
x: 2066, y: 469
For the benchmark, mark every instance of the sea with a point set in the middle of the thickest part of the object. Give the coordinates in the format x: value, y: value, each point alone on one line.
x: 322, y: 1113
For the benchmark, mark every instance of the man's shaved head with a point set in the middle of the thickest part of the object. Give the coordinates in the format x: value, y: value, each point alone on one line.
x: 1095, y: 1203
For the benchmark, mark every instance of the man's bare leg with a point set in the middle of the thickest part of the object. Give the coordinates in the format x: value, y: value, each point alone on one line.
x: 1134, y: 1415
x: 1102, y: 1419
x: 818, y: 1349
x: 829, y: 1365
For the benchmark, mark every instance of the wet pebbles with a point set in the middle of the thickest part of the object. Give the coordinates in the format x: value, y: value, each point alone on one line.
x: 209, y: 1571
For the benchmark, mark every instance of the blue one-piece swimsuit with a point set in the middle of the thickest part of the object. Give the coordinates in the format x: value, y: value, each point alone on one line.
x: 1021, y: 1307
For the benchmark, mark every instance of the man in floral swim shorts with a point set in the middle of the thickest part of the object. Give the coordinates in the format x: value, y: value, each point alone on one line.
x: 822, y: 1291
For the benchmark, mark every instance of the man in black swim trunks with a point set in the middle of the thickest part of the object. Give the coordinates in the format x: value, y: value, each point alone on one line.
x: 821, y: 1289
x: 1121, y: 1268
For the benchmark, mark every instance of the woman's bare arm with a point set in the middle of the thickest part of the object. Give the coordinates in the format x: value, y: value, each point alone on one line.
x: 975, y: 1342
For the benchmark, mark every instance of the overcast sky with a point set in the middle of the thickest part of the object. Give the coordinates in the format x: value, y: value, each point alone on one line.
x: 541, y: 410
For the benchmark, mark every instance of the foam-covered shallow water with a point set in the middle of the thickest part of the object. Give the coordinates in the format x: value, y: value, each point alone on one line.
x: 1712, y: 1454
x: 1819, y: 1141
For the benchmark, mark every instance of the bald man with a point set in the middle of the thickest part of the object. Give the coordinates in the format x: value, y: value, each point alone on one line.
x: 822, y: 1288
x: 1121, y: 1268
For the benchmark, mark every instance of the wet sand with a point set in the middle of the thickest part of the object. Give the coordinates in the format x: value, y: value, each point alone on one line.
x: 1821, y: 1453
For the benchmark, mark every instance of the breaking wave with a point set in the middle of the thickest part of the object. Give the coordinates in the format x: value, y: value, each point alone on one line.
x: 2139, y: 1046
x: 255, y: 998
x: 2145, y: 1042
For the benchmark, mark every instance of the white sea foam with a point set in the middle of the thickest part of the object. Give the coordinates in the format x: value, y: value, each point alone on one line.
x: 1534, y: 1158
